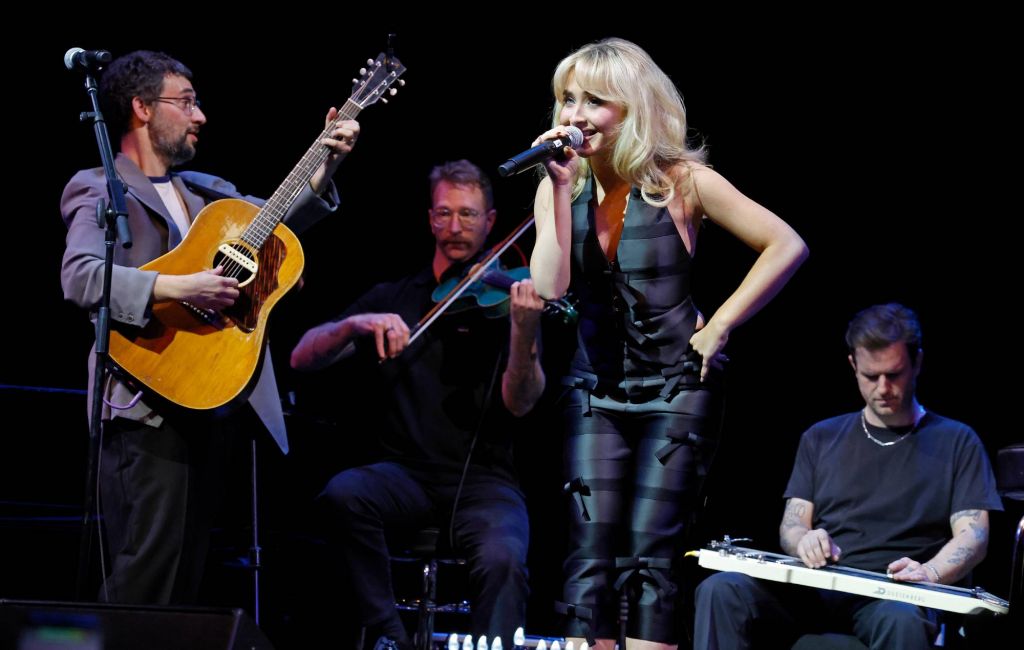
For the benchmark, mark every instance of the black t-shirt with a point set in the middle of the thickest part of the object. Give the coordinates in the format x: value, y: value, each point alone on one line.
x: 882, y: 503
x: 435, y: 393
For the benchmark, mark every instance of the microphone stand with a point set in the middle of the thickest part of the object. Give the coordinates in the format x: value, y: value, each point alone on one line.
x: 113, y: 217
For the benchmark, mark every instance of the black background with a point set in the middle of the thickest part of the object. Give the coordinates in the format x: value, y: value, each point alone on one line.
x: 879, y: 140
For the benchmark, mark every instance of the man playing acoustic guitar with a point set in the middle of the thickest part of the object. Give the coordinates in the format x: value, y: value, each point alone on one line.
x: 161, y: 465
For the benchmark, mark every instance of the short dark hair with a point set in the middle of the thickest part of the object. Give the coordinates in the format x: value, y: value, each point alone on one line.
x: 462, y: 172
x: 880, y: 326
x: 138, y: 74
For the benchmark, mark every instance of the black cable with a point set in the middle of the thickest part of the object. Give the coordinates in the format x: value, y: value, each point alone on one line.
x: 488, y: 397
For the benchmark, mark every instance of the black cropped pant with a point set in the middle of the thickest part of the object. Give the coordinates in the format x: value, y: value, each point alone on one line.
x: 636, y: 468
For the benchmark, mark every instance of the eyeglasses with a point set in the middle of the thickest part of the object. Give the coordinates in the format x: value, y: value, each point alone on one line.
x: 468, y: 217
x: 187, y: 104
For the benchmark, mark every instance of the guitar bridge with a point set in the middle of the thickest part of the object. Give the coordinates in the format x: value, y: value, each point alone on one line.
x: 208, y: 316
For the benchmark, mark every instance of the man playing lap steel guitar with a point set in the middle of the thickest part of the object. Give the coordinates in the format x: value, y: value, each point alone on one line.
x: 161, y: 465
x: 892, y: 488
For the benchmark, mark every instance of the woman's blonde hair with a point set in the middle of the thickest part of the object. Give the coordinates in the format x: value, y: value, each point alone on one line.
x: 652, y: 136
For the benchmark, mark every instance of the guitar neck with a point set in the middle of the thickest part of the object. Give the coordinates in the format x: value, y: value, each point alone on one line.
x: 376, y: 80
x: 288, y: 191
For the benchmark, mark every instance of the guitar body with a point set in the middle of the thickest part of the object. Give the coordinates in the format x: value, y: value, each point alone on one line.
x: 198, y: 359
x: 201, y: 359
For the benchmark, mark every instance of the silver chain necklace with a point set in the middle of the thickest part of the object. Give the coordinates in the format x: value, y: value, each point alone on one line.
x: 864, y: 425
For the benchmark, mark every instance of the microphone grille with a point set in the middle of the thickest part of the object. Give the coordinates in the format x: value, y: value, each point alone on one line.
x: 69, y: 57
x: 575, y: 136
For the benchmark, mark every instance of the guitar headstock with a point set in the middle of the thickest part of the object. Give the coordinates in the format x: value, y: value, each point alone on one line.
x: 377, y: 80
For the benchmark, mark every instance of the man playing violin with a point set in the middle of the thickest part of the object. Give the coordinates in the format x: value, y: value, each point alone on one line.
x: 892, y: 488
x: 454, y: 394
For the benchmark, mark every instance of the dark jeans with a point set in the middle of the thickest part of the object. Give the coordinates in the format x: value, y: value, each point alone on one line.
x: 491, y: 529
x: 737, y: 612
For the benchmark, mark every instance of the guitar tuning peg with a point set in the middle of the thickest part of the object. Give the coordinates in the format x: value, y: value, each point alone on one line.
x: 401, y: 82
x: 384, y: 100
x: 355, y: 81
x: 393, y: 92
x: 369, y: 62
x: 362, y: 72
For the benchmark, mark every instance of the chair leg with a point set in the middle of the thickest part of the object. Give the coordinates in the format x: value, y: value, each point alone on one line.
x: 425, y: 619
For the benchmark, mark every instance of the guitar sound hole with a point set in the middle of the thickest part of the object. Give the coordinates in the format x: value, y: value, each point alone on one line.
x: 234, y: 268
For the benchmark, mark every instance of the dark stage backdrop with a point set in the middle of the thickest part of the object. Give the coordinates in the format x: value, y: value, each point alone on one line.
x: 876, y: 146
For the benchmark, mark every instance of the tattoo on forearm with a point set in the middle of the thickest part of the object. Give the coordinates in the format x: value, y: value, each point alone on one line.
x: 980, y: 533
x: 960, y: 555
x: 793, y: 516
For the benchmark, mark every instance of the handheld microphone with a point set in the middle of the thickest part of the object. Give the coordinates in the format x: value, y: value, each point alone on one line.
x: 542, y: 152
x: 88, y: 59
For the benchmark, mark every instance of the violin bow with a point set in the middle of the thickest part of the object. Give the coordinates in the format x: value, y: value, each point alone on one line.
x: 467, y: 281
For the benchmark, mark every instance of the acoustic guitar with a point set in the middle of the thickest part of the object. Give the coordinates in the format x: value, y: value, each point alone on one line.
x: 201, y: 359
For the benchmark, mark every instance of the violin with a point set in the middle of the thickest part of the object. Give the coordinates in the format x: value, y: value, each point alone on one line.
x: 491, y: 294
x: 454, y: 294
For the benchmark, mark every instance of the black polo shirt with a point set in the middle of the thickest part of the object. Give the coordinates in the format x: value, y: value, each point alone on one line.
x: 442, y: 388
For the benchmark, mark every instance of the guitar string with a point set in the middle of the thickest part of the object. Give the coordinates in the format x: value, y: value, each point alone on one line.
x: 315, y: 155
x: 262, y: 226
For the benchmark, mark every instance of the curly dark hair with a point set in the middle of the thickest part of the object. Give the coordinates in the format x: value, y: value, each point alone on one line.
x: 138, y: 74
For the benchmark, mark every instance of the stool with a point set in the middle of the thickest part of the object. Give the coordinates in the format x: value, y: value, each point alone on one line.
x: 422, y: 547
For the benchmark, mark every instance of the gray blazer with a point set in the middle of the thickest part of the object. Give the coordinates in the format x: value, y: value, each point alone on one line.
x: 154, y: 233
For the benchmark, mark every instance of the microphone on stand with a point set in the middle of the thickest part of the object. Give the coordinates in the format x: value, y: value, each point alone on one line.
x: 88, y: 59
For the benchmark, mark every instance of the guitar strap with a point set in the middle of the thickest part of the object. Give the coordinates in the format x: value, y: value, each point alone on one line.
x: 205, y: 191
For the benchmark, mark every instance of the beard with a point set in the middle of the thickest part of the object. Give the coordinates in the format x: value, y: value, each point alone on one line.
x: 174, y: 149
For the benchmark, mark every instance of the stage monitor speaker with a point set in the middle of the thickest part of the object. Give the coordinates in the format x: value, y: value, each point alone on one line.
x: 42, y: 625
